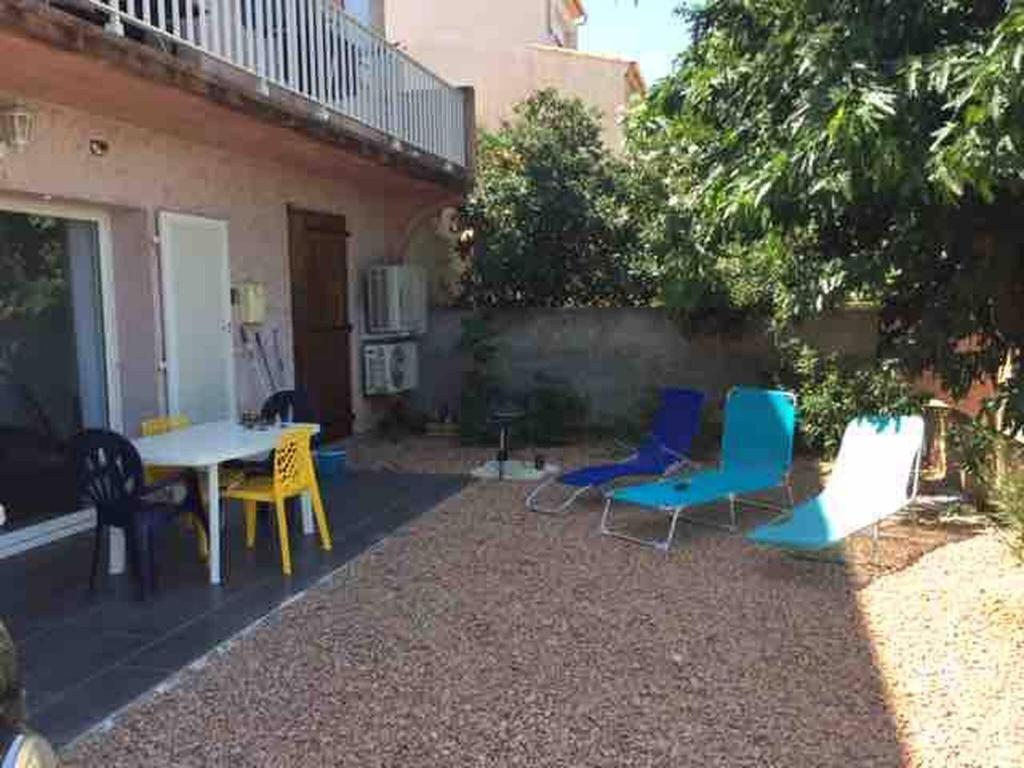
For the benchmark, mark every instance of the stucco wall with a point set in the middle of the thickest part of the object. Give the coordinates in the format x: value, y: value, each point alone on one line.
x: 145, y: 172
x: 618, y: 357
x: 463, y: 26
x: 490, y: 45
x: 601, y: 82
x: 472, y: 43
x: 135, y: 281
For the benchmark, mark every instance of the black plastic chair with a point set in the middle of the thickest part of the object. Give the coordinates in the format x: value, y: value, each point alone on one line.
x: 287, y: 405
x: 110, y: 478
x: 284, y: 405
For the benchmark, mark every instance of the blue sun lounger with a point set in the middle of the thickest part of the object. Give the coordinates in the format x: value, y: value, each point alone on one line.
x: 875, y: 476
x: 757, y: 452
x: 675, y: 426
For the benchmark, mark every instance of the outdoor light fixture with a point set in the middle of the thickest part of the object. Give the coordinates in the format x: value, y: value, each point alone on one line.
x: 17, y: 124
x: 25, y: 750
x: 19, y: 747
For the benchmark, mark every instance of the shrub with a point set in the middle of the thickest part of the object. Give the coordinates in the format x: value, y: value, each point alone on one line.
x: 832, y: 390
x: 633, y: 425
x: 402, y: 418
x: 480, y: 384
x: 551, y: 214
x: 973, y: 444
x: 1007, y: 501
x: 555, y: 412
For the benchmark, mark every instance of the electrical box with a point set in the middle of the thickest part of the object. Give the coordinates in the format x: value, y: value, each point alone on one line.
x: 396, y: 300
x: 252, y: 303
x: 390, y: 368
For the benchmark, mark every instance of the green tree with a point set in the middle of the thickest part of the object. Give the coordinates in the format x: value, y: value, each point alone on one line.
x: 32, y: 268
x: 551, y: 214
x: 827, y: 150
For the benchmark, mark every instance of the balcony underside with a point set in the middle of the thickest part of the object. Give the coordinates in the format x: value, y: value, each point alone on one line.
x: 66, y: 60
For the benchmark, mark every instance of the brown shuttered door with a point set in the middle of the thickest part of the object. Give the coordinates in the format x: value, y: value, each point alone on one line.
x: 318, y: 246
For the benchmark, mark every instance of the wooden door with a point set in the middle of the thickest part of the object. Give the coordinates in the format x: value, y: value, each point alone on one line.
x: 318, y: 246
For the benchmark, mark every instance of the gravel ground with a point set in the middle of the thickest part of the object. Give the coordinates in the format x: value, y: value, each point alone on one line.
x: 949, y: 638
x: 483, y: 635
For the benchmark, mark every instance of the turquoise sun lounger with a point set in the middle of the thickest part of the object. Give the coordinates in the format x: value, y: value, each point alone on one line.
x: 875, y: 476
x: 757, y: 452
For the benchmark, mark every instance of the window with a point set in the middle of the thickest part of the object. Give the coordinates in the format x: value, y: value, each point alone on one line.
x: 53, y: 363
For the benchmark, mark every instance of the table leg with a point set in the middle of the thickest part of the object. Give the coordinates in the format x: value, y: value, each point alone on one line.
x: 116, y: 551
x: 307, y: 514
x: 213, y: 505
x: 502, y: 451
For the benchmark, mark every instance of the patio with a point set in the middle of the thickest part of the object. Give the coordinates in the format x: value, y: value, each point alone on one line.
x: 486, y: 635
x: 85, y: 656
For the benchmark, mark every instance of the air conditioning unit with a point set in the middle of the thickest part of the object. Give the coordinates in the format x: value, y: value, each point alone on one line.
x: 396, y: 300
x: 390, y: 368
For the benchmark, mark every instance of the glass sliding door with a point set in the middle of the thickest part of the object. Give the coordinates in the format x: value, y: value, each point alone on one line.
x: 53, y: 364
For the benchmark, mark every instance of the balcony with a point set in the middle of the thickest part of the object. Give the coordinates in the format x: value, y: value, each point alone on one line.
x: 307, y: 48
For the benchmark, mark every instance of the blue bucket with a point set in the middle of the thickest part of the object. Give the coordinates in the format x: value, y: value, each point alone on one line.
x: 330, y: 463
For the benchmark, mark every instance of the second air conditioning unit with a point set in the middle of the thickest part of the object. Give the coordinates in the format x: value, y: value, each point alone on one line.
x: 396, y: 300
x: 390, y: 368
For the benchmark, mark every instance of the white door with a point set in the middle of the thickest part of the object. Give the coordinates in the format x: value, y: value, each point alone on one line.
x: 197, y: 317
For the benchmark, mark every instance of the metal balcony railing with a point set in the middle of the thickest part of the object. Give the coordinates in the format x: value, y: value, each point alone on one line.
x: 314, y: 49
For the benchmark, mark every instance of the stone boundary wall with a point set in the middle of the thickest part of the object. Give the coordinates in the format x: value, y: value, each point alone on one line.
x: 617, y: 358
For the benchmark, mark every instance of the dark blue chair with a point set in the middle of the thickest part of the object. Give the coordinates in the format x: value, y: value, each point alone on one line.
x: 665, y: 450
x: 110, y: 478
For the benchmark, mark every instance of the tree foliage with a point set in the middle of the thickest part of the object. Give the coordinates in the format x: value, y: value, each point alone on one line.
x: 32, y: 268
x: 818, y: 151
x: 833, y: 390
x: 551, y: 213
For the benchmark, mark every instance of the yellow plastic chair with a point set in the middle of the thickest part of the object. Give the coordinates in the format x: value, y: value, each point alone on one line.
x: 161, y: 425
x: 294, y: 474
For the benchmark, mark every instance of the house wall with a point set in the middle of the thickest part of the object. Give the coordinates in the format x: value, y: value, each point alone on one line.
x: 450, y: 29
x: 472, y: 43
x: 135, y: 291
x: 490, y: 45
x: 145, y: 172
x: 600, y: 81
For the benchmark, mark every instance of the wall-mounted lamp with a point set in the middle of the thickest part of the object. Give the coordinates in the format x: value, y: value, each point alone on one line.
x: 98, y: 147
x: 17, y: 124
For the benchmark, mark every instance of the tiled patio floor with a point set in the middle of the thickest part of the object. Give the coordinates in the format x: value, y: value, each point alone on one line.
x: 83, y: 656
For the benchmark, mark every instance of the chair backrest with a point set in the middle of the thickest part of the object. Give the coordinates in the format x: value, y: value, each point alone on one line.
x: 287, y: 405
x: 163, y: 424
x: 878, y: 460
x: 293, y: 462
x: 759, y: 427
x: 108, y: 471
x: 677, y: 419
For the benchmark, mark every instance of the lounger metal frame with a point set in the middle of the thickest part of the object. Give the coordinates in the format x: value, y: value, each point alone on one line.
x: 534, y: 505
x: 875, y: 528
x: 676, y: 513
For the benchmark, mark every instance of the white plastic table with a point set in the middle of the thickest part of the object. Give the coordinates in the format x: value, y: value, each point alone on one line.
x: 204, y: 447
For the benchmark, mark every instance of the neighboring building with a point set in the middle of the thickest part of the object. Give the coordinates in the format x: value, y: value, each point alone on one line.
x: 508, y: 50
x: 159, y: 165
